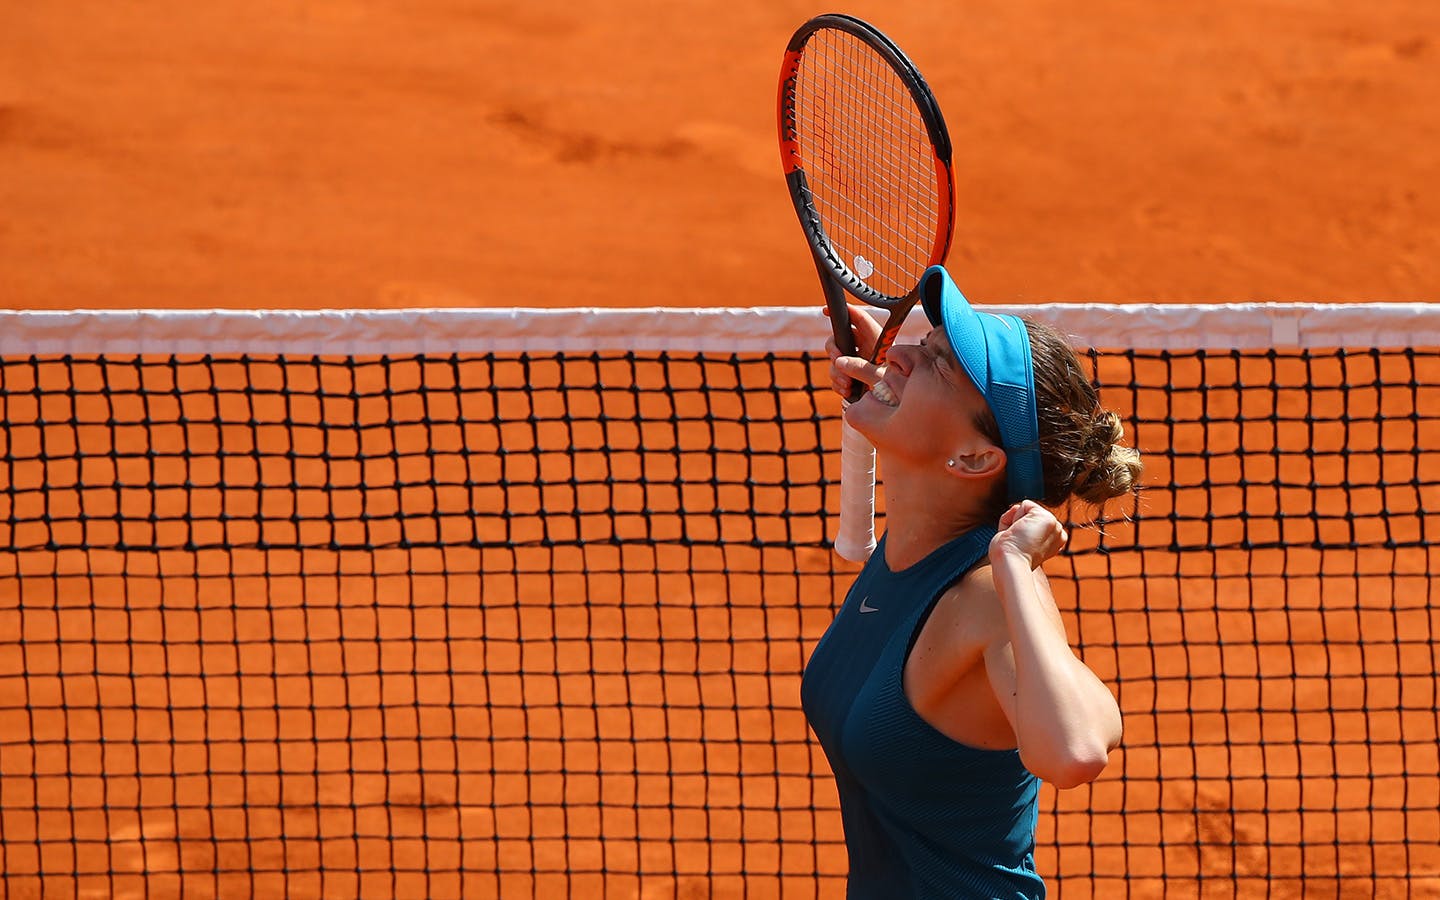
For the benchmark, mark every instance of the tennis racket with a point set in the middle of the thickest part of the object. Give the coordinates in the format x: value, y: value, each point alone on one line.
x: 867, y: 160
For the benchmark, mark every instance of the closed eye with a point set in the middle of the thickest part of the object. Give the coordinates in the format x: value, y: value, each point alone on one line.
x: 939, y: 351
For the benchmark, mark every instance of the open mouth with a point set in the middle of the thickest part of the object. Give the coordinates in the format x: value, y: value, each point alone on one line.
x: 882, y: 392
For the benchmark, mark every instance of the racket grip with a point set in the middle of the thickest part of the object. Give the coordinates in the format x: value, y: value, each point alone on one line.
x: 856, y: 538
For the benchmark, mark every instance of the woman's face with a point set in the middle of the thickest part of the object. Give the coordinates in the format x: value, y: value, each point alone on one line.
x: 924, y: 408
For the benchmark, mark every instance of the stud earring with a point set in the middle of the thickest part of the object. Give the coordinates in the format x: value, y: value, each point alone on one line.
x: 950, y: 463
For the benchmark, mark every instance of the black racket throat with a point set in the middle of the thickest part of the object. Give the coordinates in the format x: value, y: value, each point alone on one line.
x: 888, y: 334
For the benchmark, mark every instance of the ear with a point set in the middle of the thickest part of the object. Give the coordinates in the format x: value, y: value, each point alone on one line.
x: 978, y: 462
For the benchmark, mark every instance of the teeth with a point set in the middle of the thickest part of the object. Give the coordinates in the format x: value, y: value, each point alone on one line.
x: 882, y: 392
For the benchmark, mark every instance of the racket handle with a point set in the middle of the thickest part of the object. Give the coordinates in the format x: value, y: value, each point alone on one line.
x: 856, y: 538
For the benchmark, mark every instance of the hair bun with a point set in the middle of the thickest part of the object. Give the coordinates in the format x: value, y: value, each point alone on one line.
x: 1108, y: 468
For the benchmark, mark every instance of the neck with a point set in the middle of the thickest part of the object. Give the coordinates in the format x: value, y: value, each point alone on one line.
x: 924, y: 512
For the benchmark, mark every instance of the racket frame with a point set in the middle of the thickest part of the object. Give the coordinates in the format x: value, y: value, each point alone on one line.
x: 793, y: 165
x: 856, y: 538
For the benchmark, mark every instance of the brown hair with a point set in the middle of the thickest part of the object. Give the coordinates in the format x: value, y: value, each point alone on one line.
x: 1081, y: 455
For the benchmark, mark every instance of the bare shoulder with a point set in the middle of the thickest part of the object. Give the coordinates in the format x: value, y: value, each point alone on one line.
x: 947, y: 674
x: 968, y: 623
x: 977, y: 596
x: 970, y: 609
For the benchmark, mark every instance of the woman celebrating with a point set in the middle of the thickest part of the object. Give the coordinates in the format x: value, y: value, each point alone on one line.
x: 946, y: 689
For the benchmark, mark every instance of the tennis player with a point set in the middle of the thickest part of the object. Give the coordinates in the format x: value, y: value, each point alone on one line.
x: 945, y: 690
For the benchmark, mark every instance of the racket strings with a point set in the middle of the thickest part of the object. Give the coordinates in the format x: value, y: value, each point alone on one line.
x: 869, y: 162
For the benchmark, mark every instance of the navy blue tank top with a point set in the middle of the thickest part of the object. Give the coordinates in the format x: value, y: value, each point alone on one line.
x: 925, y: 816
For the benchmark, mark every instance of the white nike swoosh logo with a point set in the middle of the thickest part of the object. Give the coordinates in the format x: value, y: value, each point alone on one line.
x: 866, y: 607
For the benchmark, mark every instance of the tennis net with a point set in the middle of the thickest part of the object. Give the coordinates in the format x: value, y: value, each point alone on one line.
x: 440, y: 603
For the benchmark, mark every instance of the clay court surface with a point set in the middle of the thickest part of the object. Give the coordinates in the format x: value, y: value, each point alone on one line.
x: 319, y: 153
x: 368, y: 154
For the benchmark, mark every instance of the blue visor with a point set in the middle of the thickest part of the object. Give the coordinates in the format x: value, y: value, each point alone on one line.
x: 995, y: 352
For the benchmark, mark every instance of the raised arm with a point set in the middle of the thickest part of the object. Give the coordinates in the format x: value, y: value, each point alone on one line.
x: 1065, y: 719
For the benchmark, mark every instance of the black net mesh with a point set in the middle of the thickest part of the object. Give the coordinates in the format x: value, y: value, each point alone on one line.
x: 533, y: 624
